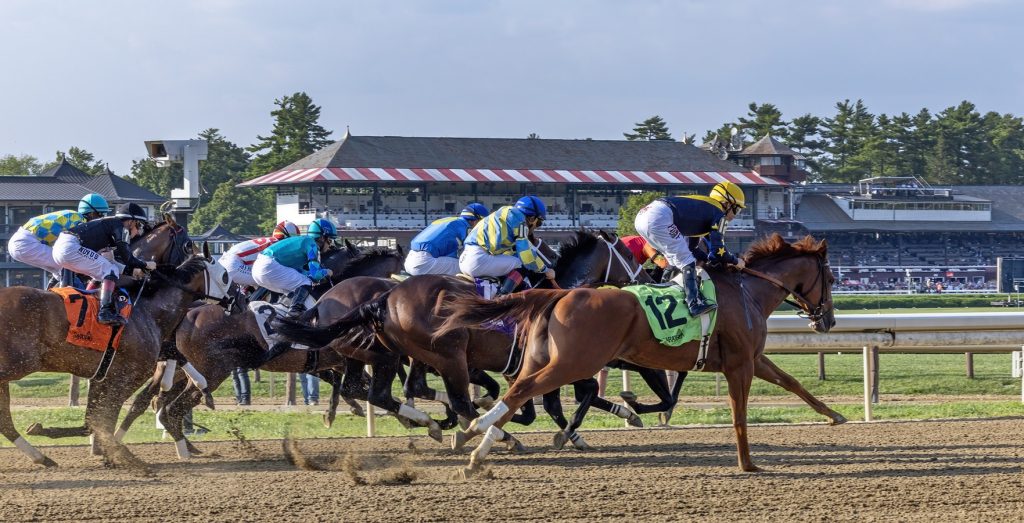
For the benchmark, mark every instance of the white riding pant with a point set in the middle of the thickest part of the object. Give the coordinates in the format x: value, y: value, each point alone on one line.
x: 69, y: 254
x: 276, y: 277
x: 422, y: 262
x: 238, y: 271
x: 26, y: 248
x: 478, y: 263
x: 656, y: 223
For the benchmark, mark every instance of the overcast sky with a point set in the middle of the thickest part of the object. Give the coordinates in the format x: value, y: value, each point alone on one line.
x: 107, y: 75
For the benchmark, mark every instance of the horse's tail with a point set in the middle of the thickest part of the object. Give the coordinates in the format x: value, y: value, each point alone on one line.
x: 466, y: 310
x: 359, y: 325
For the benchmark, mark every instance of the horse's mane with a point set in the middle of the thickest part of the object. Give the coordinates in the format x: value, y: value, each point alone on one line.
x: 148, y: 232
x: 364, y: 258
x: 582, y: 241
x: 774, y: 247
x: 171, y: 276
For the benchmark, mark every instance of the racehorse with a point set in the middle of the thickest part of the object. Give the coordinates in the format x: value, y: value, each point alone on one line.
x: 167, y: 244
x: 33, y: 329
x: 572, y: 334
x: 216, y: 343
x: 399, y: 321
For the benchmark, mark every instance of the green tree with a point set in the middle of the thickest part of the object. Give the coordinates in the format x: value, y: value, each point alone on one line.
x: 846, y: 135
x: 764, y: 119
x: 240, y: 210
x: 297, y: 133
x: 627, y: 213
x: 160, y: 180
x: 960, y: 146
x: 653, y: 128
x: 805, y: 138
x: 24, y: 165
x: 82, y: 159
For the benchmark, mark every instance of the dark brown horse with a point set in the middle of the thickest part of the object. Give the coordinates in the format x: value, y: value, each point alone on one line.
x: 570, y: 335
x: 33, y: 330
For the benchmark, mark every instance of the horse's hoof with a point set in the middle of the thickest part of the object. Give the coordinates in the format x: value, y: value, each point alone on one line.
x: 664, y: 418
x: 459, y: 440
x: 466, y: 473
x: 628, y: 396
x: 579, y: 442
x: 208, y: 400
x: 47, y: 462
x: 35, y: 429
x: 328, y: 420
x: 406, y: 422
x: 634, y: 421
x: 434, y: 431
x: 358, y: 411
x: 559, y: 440
x: 192, y: 448
x: 839, y: 419
x: 486, y: 402
x: 515, y: 446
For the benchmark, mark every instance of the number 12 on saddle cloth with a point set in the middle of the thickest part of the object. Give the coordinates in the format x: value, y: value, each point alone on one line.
x: 84, y: 330
x: 668, y: 315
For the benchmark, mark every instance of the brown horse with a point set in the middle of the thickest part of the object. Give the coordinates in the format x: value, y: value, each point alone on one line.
x: 33, y: 330
x: 167, y: 244
x: 571, y: 334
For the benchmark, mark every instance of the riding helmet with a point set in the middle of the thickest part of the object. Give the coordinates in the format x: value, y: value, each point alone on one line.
x: 729, y: 194
x: 532, y: 206
x: 321, y: 228
x: 285, y: 229
x: 131, y: 211
x: 474, y: 211
x: 93, y: 203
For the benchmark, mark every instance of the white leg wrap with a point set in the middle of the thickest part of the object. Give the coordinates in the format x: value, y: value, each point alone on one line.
x: 442, y: 397
x: 417, y: 416
x: 489, y: 418
x: 620, y: 411
x: 181, y: 447
x: 119, y: 435
x: 168, y: 378
x: 30, y: 451
x: 493, y: 434
x: 194, y: 375
x: 156, y: 419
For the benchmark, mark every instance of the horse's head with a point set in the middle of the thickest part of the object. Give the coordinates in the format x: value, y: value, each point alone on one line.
x: 338, y: 257
x: 596, y: 257
x: 166, y: 243
x: 380, y: 262
x: 803, y: 270
x: 217, y: 279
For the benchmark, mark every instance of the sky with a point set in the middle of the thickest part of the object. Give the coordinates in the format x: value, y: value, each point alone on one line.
x: 108, y: 75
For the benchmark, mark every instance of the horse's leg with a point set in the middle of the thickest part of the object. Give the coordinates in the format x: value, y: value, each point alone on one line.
x: 173, y: 416
x: 739, y: 379
x: 619, y: 410
x: 586, y: 394
x: 479, y: 377
x: 139, y: 405
x: 384, y: 373
x: 11, y: 433
x: 101, y: 417
x: 332, y: 377
x: 526, y: 415
x: 768, y: 371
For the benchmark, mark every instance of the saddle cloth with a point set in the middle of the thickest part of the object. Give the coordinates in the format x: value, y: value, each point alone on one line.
x: 665, y: 307
x: 84, y: 330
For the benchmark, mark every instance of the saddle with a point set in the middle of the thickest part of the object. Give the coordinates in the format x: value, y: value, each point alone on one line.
x: 82, y: 308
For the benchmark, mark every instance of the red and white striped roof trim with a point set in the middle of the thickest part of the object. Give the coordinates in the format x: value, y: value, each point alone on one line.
x: 374, y: 174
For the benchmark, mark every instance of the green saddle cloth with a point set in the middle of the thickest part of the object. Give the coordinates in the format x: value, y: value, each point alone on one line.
x: 670, y: 320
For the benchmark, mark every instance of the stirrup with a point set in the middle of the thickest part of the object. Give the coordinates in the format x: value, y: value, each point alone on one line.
x: 700, y: 307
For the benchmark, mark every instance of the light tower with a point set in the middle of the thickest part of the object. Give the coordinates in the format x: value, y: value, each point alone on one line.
x: 188, y: 153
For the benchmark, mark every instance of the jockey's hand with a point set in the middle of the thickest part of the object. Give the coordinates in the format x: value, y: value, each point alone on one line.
x: 151, y: 266
x: 329, y: 273
x: 740, y: 264
x: 138, y: 274
x: 549, y: 274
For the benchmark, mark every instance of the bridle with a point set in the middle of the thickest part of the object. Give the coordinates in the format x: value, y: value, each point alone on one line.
x: 815, y: 313
x: 633, y: 273
x: 222, y: 301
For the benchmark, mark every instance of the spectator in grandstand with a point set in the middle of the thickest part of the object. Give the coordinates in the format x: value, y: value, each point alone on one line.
x: 239, y: 259
x: 435, y: 250
x: 32, y: 244
x: 293, y: 264
x: 499, y: 244
x: 77, y: 249
x: 675, y: 227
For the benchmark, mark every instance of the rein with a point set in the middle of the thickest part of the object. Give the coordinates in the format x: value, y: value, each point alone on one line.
x: 814, y: 313
x: 622, y: 261
x: 223, y: 301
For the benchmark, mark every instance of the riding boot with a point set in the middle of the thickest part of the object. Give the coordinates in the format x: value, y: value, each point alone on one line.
x: 108, y: 313
x: 260, y: 294
x: 299, y: 301
x: 694, y: 300
x: 512, y: 281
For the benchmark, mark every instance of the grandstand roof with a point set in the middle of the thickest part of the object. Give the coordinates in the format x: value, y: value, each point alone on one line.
x: 769, y: 146
x: 425, y: 159
x: 819, y: 213
x: 65, y: 182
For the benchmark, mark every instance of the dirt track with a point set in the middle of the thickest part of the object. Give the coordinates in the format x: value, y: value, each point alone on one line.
x: 963, y: 470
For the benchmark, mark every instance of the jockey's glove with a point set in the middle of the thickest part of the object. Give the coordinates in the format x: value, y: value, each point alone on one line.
x: 740, y: 264
x: 549, y: 274
x: 138, y: 274
x: 151, y: 266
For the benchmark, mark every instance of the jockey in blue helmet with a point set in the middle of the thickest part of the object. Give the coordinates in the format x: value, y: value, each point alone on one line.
x: 499, y: 243
x: 292, y: 265
x: 32, y: 243
x: 435, y: 250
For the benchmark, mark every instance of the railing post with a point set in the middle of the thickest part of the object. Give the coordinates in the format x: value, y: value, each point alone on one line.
x: 867, y: 383
x: 73, y: 393
x: 371, y: 416
x: 821, y: 366
x: 874, y: 374
x: 970, y: 365
x: 625, y: 387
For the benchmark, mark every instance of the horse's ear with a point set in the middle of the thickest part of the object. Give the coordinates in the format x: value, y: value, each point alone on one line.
x: 605, y: 236
x: 401, y: 251
x: 169, y: 219
x: 206, y: 251
x: 352, y: 249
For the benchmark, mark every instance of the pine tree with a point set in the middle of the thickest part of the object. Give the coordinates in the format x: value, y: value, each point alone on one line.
x: 805, y: 138
x: 653, y: 128
x: 761, y: 120
x: 80, y: 158
x: 846, y: 134
x: 296, y: 134
x: 960, y: 146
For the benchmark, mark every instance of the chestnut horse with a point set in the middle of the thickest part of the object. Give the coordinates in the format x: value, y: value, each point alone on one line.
x: 33, y: 331
x: 571, y: 334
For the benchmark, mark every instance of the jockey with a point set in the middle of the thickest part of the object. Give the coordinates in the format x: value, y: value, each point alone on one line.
x: 33, y: 243
x: 499, y: 244
x: 239, y: 258
x: 642, y: 251
x: 77, y: 249
x: 675, y: 226
x: 435, y: 250
x: 291, y: 265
